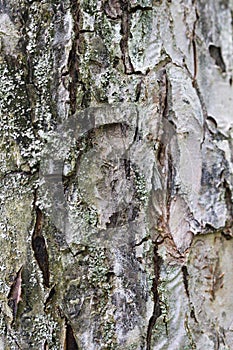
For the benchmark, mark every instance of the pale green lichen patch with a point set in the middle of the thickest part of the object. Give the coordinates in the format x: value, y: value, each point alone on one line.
x: 83, y: 219
x: 141, y: 187
x: 42, y: 328
x: 101, y: 65
x: 98, y: 277
x: 16, y: 219
x: 88, y: 287
x: 25, y: 89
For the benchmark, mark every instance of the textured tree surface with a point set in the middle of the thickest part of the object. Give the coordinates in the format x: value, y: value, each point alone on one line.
x: 116, y: 174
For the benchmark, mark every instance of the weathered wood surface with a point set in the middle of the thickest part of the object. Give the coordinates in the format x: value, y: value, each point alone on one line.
x: 116, y: 174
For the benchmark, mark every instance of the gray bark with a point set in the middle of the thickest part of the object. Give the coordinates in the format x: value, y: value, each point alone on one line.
x: 116, y: 174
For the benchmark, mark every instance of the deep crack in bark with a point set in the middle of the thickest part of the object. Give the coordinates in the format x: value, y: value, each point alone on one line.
x: 125, y: 32
x: 70, y: 342
x: 39, y: 247
x: 229, y: 205
x: 73, y: 58
x: 185, y: 279
x: 157, y: 310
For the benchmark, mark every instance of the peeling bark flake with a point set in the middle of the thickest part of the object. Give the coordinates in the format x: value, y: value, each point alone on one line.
x: 15, y: 292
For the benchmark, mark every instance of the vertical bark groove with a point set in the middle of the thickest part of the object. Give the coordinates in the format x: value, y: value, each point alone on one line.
x: 156, y: 310
x: 70, y: 342
x: 73, y: 59
x: 39, y: 247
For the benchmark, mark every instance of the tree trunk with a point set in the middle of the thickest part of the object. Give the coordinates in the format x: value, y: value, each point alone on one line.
x: 116, y: 174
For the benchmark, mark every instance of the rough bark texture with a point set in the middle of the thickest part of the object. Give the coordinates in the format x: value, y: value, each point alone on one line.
x: 116, y: 174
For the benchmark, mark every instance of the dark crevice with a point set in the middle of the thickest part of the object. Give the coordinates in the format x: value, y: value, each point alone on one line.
x: 229, y: 205
x: 216, y: 54
x: 125, y: 33
x: 194, y: 59
x: 194, y: 45
x: 50, y: 297
x: 163, y: 107
x: 70, y: 342
x: 138, y: 91
x: 145, y: 239
x: 227, y: 235
x: 164, y: 99
x: 170, y: 180
x: 73, y: 59
x: 127, y: 168
x: 192, y: 314
x: 137, y: 134
x: 140, y: 8
x: 137, y: 72
x: 86, y: 31
x: 39, y: 247
x: 185, y: 279
x: 156, y: 309
x: 161, y: 153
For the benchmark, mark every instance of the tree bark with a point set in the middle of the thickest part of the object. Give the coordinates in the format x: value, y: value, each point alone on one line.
x: 116, y: 174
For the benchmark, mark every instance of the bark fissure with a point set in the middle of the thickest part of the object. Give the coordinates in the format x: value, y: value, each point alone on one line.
x: 39, y: 247
x: 50, y: 297
x: 185, y: 279
x: 194, y: 45
x: 70, y: 341
x: 229, y: 205
x: 140, y: 8
x: 145, y: 239
x: 73, y: 59
x: 46, y: 346
x: 156, y: 309
x: 125, y: 33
